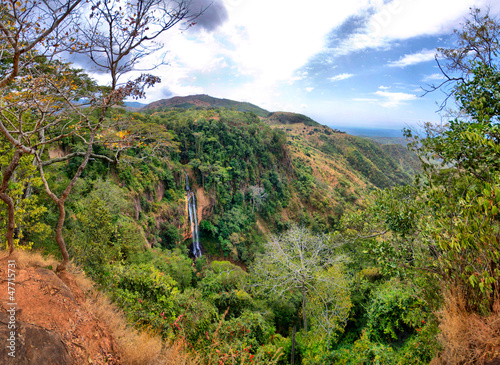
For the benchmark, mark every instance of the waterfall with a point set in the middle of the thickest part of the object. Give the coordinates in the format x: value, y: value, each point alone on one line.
x: 193, y: 218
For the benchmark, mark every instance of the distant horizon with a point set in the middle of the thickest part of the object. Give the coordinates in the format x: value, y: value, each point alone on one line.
x: 370, y: 131
x: 373, y: 130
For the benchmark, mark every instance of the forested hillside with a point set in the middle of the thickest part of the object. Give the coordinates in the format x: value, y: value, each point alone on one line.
x: 127, y: 220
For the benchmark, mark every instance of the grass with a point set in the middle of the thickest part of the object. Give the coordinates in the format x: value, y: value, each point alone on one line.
x: 467, y: 338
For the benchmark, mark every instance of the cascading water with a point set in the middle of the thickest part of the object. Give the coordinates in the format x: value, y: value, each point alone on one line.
x: 193, y: 218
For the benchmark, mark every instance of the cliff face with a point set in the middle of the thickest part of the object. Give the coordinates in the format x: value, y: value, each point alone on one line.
x: 45, y: 319
x: 204, y: 207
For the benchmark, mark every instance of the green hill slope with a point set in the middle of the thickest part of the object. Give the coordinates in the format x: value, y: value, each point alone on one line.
x: 289, y: 118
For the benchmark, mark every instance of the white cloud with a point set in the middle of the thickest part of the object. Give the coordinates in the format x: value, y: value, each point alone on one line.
x: 299, y: 76
x: 433, y: 77
x: 309, y: 89
x: 365, y: 100
x: 389, y: 21
x: 261, y: 45
x: 393, y: 100
x: 414, y: 58
x: 340, y: 77
x: 381, y: 87
x: 271, y: 40
x: 264, y: 45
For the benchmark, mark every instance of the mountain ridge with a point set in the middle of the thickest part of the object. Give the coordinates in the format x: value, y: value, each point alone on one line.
x: 205, y: 101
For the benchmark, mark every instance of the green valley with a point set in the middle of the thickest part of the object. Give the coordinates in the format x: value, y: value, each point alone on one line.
x: 200, y: 230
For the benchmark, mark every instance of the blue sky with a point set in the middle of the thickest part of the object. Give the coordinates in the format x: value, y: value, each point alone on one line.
x: 342, y: 62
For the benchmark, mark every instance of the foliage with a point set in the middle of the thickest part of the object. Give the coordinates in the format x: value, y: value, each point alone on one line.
x: 462, y: 192
x: 117, y: 179
x: 364, y: 351
x: 145, y: 294
x: 90, y: 244
x: 29, y: 210
x: 394, y: 311
x: 440, y: 234
x: 329, y: 304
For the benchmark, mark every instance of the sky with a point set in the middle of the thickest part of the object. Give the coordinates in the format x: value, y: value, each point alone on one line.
x: 353, y: 63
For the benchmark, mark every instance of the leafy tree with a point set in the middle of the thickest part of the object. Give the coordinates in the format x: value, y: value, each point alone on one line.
x: 29, y: 31
x: 25, y: 111
x: 90, y: 238
x: 478, y: 41
x: 146, y: 295
x: 24, y: 210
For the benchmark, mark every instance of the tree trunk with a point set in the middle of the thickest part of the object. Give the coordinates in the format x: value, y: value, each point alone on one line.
x: 60, y: 201
x: 11, y: 221
x: 292, y: 358
x: 304, y: 307
x: 7, y: 175
x: 59, y: 237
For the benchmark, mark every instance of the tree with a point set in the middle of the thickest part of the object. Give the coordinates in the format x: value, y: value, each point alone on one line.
x: 454, y: 226
x: 330, y: 304
x: 300, y: 260
x: 258, y: 195
x: 117, y: 35
x: 30, y: 29
x: 115, y: 49
x: 461, y: 194
x: 478, y: 41
x: 27, y: 209
x: 31, y: 105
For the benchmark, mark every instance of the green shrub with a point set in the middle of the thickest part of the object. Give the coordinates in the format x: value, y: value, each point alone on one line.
x: 393, y: 310
x: 145, y: 294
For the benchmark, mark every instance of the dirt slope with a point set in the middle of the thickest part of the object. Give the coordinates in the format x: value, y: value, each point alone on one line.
x: 50, y: 321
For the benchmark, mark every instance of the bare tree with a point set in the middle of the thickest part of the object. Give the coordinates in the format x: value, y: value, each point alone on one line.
x: 330, y: 302
x: 258, y: 195
x: 27, y: 31
x: 298, y: 260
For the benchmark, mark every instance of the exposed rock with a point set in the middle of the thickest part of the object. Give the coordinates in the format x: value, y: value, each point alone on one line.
x: 28, y: 344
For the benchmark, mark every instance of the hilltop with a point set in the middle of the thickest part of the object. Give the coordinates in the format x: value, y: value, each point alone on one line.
x: 277, y: 118
x: 373, y: 162
x: 206, y: 102
x: 367, y: 161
